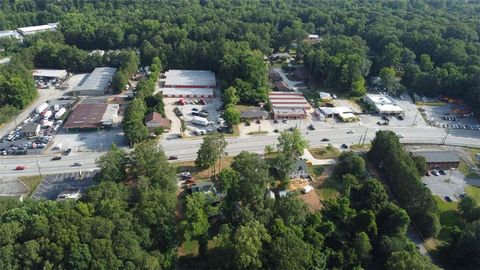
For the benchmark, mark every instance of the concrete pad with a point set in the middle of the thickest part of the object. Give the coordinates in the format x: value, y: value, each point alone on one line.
x: 12, y: 187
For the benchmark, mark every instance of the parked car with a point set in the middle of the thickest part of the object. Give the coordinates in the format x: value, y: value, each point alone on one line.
x: 311, y: 127
x: 172, y: 158
x: 463, y: 195
x: 448, y: 199
x: 284, y: 121
x: 67, y: 152
x: 20, y: 168
x: 344, y: 146
x: 434, y: 172
x: 442, y: 172
x: 306, y: 189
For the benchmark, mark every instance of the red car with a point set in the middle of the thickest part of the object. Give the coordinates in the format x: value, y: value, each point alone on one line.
x: 20, y: 168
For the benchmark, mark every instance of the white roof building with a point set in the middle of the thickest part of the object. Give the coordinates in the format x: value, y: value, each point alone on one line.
x: 190, y: 79
x: 383, y: 104
x: 50, y: 73
x: 187, y: 92
x: 10, y: 34
x: 97, y: 82
x: 335, y: 111
x: 29, y: 30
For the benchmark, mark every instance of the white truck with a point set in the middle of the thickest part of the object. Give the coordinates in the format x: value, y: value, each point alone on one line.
x: 60, y: 112
x: 56, y: 107
x: 200, y: 121
x: 41, y: 108
x: 47, y: 114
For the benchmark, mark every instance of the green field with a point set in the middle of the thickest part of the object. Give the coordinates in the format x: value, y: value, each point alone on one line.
x: 324, y: 152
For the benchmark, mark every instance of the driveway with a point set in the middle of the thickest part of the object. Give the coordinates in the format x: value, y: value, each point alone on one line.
x: 309, y: 157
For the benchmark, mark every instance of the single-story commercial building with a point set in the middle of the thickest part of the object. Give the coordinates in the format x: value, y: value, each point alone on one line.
x: 155, y: 120
x: 10, y: 34
x: 291, y: 105
x: 30, y: 130
x: 50, y: 74
x: 92, y: 116
x: 335, y: 111
x: 440, y: 159
x: 254, y: 114
x: 96, y: 83
x: 29, y: 30
x: 189, y: 83
x: 383, y: 104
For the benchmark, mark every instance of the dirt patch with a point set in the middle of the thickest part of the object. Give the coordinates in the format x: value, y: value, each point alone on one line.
x: 312, y: 200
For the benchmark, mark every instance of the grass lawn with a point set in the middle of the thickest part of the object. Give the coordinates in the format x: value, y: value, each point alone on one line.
x: 32, y: 182
x: 474, y: 193
x: 244, y: 107
x: 261, y: 132
x: 188, y: 248
x: 449, y: 216
x: 329, y: 189
x: 324, y: 152
x: 358, y: 147
x: 189, y: 166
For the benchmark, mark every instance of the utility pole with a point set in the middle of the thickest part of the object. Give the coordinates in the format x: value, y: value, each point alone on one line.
x: 365, y: 136
x: 445, y: 138
x: 38, y: 164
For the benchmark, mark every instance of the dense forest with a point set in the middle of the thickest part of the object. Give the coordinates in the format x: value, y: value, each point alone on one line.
x: 432, y: 44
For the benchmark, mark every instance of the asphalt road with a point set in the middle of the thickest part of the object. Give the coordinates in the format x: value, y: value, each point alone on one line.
x: 186, y: 150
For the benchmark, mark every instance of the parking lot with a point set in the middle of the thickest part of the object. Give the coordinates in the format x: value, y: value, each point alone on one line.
x: 26, y: 138
x: 451, y: 184
x: 89, y: 141
x: 52, y: 185
x: 211, y: 110
x: 447, y: 116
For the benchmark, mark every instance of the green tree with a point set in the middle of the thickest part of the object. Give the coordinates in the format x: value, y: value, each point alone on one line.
x: 248, y: 243
x: 403, y: 260
x: 230, y: 96
x: 112, y: 165
x: 231, y: 115
x: 291, y: 143
x: 211, y: 150
x: 195, y: 224
x: 389, y: 80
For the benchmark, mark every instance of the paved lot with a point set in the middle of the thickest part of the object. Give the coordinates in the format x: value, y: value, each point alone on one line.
x: 11, y: 186
x: 452, y: 184
x: 52, y: 185
x: 90, y: 141
x: 213, y: 114
x: 445, y: 117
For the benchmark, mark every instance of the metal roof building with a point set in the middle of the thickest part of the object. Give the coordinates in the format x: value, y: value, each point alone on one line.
x: 50, y: 73
x: 29, y: 30
x: 85, y: 116
x: 96, y: 83
x: 10, y: 34
x: 190, y: 79
x: 290, y: 105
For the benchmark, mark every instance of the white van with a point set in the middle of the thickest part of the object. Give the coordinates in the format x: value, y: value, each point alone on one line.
x: 306, y: 189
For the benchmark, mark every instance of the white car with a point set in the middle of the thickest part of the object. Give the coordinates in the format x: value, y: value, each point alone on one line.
x: 306, y: 189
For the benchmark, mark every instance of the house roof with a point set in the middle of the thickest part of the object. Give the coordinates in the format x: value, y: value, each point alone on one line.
x: 300, y: 165
x: 157, y: 118
x: 438, y: 156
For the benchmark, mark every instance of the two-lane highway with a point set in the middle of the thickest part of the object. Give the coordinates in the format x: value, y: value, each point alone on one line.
x: 186, y: 150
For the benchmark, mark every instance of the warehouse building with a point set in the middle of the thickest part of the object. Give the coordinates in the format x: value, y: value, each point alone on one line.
x: 50, y: 74
x: 440, y: 159
x: 383, y: 104
x: 10, y: 34
x: 96, y: 83
x: 188, y: 84
x: 30, y: 30
x: 289, y: 105
x: 92, y: 116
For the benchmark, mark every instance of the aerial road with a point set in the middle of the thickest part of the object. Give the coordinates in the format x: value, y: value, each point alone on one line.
x: 186, y: 150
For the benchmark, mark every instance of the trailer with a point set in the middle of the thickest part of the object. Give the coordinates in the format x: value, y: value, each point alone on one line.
x: 41, y: 108
x: 60, y: 113
x: 200, y: 121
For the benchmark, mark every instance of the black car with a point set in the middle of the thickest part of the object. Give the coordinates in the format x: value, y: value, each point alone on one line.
x: 442, y: 172
x: 448, y: 199
x: 325, y: 140
x: 172, y: 158
x: 344, y: 146
x: 275, y: 121
x: 195, y: 109
x: 67, y: 152
x: 276, y: 131
x: 284, y: 121
x: 57, y: 158
x: 311, y: 127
